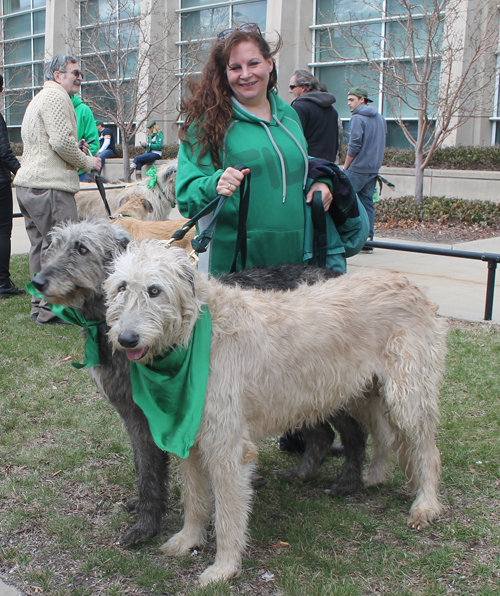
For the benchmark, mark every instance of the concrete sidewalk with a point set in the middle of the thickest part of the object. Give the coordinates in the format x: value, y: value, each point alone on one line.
x: 457, y: 285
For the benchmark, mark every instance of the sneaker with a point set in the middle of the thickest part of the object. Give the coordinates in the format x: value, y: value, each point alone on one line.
x: 8, y: 289
x: 367, y: 249
x: 53, y: 321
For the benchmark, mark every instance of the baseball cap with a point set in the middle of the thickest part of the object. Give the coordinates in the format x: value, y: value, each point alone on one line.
x: 99, y: 123
x: 360, y: 92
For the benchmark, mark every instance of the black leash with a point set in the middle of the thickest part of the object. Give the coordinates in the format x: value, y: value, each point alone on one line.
x: 201, y: 242
x: 102, y: 192
x: 318, y: 216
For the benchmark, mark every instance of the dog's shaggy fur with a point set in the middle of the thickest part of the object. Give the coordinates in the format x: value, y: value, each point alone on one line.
x: 137, y: 200
x: 161, y: 230
x: 318, y: 439
x: 79, y: 260
x: 283, y: 359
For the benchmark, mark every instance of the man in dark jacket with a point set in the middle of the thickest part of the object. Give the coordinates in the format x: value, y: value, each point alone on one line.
x: 365, y: 151
x: 8, y: 164
x: 319, y: 119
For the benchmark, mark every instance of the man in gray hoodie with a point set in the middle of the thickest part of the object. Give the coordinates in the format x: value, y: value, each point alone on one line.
x: 365, y: 151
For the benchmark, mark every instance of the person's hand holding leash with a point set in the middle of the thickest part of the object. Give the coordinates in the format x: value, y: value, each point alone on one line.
x: 326, y: 195
x: 230, y: 181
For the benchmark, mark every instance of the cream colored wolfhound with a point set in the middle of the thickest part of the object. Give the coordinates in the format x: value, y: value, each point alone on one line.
x: 279, y: 360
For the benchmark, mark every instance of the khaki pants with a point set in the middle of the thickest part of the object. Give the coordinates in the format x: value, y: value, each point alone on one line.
x: 42, y: 210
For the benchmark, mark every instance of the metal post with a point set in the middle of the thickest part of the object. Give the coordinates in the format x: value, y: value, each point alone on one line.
x: 490, y: 290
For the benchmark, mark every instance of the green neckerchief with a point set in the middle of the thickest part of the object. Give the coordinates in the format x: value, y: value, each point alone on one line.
x: 171, y: 390
x: 91, y: 356
x: 152, y: 172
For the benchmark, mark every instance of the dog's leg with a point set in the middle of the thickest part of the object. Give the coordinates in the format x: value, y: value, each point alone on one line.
x: 318, y: 440
x: 198, y: 505
x: 230, y: 472
x: 151, y: 467
x: 353, y: 439
x: 411, y: 399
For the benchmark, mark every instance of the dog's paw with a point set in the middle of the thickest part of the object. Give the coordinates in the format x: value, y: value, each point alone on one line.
x: 218, y: 573
x: 139, y: 533
x: 180, y: 544
x: 421, y: 518
x: 296, y: 474
x: 344, y: 487
x: 372, y: 479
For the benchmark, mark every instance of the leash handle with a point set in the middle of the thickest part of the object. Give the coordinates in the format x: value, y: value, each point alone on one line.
x: 201, y: 242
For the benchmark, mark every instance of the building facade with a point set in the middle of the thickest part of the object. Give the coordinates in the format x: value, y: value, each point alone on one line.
x: 330, y: 37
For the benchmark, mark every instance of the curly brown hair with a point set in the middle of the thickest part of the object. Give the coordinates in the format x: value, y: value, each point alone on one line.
x: 208, y: 108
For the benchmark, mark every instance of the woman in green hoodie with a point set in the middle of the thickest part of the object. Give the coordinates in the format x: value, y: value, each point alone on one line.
x: 235, y: 116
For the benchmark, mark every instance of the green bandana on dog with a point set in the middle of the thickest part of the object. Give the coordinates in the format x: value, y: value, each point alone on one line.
x: 171, y: 389
x: 91, y: 356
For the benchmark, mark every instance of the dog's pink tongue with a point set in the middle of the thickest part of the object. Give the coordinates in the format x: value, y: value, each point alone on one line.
x: 135, y: 354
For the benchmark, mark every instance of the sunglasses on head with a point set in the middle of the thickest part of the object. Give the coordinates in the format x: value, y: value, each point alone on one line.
x: 246, y: 28
x: 76, y: 72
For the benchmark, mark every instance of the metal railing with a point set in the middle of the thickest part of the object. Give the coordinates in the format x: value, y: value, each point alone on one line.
x: 491, y: 258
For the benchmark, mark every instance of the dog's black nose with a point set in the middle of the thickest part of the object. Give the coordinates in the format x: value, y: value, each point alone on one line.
x: 39, y: 282
x: 128, y: 339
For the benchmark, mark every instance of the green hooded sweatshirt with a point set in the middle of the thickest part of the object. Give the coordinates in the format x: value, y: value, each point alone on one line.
x: 85, y: 125
x: 276, y: 153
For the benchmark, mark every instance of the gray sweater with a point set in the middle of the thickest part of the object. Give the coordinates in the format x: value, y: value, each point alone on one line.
x: 368, y: 130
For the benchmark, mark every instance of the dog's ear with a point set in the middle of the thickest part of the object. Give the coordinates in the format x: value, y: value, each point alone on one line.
x: 122, y: 202
x: 186, y: 270
x: 122, y: 238
x: 147, y: 205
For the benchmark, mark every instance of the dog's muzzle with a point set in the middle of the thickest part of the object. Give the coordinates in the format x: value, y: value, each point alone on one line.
x: 129, y: 341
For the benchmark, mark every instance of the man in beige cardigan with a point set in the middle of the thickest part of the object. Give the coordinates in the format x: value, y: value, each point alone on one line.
x: 48, y: 179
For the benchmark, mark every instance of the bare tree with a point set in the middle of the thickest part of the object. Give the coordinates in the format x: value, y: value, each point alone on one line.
x: 434, y: 57
x: 129, y: 72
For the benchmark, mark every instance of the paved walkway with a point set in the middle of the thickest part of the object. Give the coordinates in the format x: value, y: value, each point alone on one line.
x: 457, y: 285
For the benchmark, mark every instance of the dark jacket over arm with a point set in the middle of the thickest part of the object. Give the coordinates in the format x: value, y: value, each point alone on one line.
x: 8, y: 161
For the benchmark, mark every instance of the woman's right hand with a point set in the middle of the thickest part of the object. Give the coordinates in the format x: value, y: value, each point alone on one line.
x: 230, y: 180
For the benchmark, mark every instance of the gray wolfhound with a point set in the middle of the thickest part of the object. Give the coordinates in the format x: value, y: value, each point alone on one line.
x: 278, y: 360
x: 79, y: 260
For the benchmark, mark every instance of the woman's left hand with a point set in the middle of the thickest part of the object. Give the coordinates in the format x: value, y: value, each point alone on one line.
x: 326, y: 195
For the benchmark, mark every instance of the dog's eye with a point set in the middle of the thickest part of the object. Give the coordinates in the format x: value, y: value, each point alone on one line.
x: 122, y: 287
x: 83, y: 250
x: 153, y: 291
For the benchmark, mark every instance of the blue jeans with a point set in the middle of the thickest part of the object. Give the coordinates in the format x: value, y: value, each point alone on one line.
x: 105, y: 155
x: 145, y: 158
x: 84, y: 177
x: 364, y: 187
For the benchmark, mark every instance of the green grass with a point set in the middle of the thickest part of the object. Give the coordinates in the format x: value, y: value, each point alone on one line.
x: 66, y: 468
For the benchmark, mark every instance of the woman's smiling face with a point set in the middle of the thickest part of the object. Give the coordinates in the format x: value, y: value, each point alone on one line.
x: 248, y: 74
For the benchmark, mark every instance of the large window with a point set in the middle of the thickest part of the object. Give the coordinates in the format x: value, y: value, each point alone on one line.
x: 109, y: 33
x: 366, y: 43
x: 202, y: 20
x: 23, y: 49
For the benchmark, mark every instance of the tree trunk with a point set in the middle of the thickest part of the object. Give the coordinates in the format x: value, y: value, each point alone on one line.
x: 126, y: 156
x: 419, y: 176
